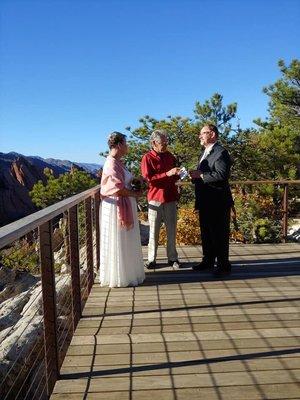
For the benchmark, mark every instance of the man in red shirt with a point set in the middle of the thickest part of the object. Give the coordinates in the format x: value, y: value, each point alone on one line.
x: 159, y: 169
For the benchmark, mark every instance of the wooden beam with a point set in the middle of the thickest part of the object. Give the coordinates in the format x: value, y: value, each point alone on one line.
x: 75, y: 267
x: 49, y: 305
x: 89, y: 242
x: 11, y: 232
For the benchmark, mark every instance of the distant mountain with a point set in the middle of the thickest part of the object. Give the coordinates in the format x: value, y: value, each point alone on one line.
x: 41, y: 164
x: 60, y: 166
x: 66, y: 164
x: 18, y: 174
x: 92, y: 168
x: 17, y: 177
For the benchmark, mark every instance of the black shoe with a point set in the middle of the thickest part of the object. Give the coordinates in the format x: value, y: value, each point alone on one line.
x: 222, y: 271
x: 150, y: 264
x: 175, y: 264
x: 203, y: 266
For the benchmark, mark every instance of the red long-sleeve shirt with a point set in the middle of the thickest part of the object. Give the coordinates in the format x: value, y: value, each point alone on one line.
x: 154, y: 166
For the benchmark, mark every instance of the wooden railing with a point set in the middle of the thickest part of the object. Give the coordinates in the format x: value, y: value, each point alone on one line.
x: 285, y: 199
x: 285, y: 184
x: 41, y: 223
x: 82, y: 236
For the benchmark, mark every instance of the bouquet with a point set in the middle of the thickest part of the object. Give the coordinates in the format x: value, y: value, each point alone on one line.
x: 138, y: 184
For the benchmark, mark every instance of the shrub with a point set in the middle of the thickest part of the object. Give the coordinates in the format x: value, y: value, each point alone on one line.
x: 188, y: 230
x: 258, y: 216
x: 22, y: 256
x: 266, y: 231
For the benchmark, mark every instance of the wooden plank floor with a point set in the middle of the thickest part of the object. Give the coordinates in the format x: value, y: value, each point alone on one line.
x: 184, y: 335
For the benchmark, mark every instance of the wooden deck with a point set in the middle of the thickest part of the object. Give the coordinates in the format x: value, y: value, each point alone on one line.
x: 184, y: 335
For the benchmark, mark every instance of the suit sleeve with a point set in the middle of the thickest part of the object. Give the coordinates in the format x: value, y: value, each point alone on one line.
x: 221, y: 170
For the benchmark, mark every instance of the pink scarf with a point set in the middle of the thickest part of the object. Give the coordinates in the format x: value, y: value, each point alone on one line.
x: 113, y: 180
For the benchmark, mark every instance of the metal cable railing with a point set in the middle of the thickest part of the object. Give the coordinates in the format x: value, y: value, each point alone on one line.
x: 287, y: 192
x: 60, y: 245
x: 57, y: 247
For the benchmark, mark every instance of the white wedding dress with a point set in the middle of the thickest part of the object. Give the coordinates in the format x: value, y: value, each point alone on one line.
x: 121, y: 260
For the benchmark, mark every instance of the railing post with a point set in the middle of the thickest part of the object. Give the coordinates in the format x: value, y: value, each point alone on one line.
x: 285, y: 212
x: 49, y: 305
x: 97, y: 228
x: 89, y: 242
x: 74, y: 263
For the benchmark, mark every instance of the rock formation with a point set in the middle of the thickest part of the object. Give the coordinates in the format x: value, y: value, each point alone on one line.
x: 18, y: 174
x: 16, y: 180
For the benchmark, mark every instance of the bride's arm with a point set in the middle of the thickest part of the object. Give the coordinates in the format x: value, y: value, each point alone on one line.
x: 128, y: 193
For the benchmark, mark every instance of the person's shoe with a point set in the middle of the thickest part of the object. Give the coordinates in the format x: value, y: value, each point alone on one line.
x: 175, y: 264
x: 150, y: 264
x: 222, y: 271
x: 203, y: 266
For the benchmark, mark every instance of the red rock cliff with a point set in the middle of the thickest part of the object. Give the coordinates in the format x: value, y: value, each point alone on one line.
x: 16, y: 180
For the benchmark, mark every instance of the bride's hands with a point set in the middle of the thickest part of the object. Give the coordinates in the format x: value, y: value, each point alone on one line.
x: 137, y: 193
x: 138, y: 186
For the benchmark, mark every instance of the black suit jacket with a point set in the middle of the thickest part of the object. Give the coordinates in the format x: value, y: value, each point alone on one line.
x: 213, y: 190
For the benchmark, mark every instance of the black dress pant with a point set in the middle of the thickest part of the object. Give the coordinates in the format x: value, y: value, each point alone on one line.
x: 215, y: 230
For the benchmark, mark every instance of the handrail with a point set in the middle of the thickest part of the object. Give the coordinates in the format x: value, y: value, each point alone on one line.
x: 261, y: 182
x: 285, y: 183
x: 21, y: 227
x: 11, y: 232
x: 81, y: 278
x: 42, y: 220
x: 17, y: 229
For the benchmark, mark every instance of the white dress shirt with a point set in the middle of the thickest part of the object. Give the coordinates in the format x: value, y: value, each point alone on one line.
x: 207, y: 150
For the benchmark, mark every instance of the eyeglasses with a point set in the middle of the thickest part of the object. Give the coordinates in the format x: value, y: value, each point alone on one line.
x: 163, y: 142
x: 204, y: 133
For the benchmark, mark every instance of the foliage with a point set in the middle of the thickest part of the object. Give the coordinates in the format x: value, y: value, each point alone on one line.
x: 187, y: 197
x: 280, y: 133
x: 22, y: 256
x: 258, y: 221
x: 56, y: 189
x: 270, y: 151
x: 182, y: 131
x: 285, y: 94
x: 258, y: 218
x: 266, y: 230
x: 251, y: 161
x: 212, y: 111
x: 188, y: 230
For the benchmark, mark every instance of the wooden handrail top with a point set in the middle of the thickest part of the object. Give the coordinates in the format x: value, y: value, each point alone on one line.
x: 283, y: 182
x: 11, y: 232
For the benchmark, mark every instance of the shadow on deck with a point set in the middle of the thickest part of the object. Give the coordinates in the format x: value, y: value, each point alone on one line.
x: 185, y: 335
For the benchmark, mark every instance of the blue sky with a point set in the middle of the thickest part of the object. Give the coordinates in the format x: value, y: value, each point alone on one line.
x: 73, y: 71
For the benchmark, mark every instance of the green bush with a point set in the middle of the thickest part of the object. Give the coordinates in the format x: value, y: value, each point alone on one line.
x: 22, y: 256
x: 266, y: 231
x: 258, y: 214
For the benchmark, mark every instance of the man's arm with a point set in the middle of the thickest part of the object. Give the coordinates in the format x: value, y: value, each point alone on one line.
x: 222, y: 169
x: 150, y: 174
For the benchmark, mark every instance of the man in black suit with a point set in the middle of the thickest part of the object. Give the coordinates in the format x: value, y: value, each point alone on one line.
x: 214, y: 202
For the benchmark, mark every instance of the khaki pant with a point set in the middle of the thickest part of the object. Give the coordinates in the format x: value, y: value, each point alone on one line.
x: 158, y: 213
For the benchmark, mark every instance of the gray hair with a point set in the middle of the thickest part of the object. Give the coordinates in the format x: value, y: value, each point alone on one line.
x: 158, y: 134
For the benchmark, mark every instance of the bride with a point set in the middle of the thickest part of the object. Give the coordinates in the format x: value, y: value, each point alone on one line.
x: 121, y: 261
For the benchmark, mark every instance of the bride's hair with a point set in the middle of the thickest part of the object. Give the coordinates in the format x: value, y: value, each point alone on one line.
x: 114, y: 139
